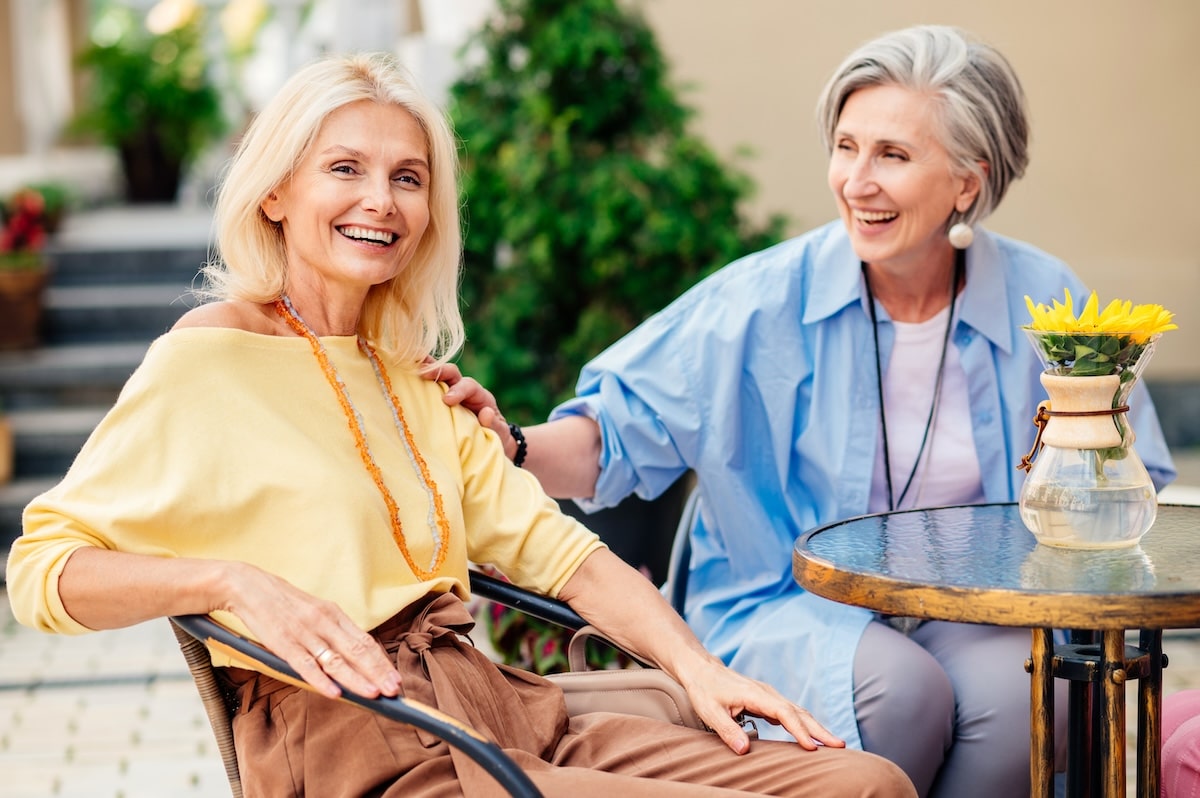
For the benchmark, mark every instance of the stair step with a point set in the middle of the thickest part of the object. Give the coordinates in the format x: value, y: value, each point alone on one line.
x: 13, y: 498
x: 129, y: 245
x: 125, y: 266
x: 91, y: 314
x: 47, y: 439
x: 78, y: 374
x: 137, y: 227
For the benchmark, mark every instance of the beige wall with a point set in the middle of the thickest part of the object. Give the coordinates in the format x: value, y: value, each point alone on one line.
x: 1113, y: 187
x: 12, y: 132
x: 12, y: 141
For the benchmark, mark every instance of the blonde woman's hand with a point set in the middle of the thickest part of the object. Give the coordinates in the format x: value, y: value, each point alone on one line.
x: 312, y: 635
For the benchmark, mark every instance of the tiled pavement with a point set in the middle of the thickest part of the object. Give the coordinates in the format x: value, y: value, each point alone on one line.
x: 115, y: 715
x: 107, y: 715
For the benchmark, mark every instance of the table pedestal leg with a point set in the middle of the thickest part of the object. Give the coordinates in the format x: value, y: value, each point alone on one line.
x: 1149, y: 770
x: 1041, y: 714
x: 1112, y: 732
x: 1081, y: 772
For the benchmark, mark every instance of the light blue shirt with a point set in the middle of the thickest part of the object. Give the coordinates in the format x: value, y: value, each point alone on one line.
x: 762, y: 380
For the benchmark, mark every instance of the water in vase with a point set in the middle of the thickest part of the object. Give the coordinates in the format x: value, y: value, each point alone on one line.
x: 1106, y: 516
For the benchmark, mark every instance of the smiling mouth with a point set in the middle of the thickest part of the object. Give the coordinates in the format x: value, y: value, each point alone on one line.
x: 874, y: 217
x: 379, y: 237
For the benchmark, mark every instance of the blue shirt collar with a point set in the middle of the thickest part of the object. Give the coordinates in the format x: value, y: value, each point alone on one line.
x: 836, y: 283
x: 983, y: 303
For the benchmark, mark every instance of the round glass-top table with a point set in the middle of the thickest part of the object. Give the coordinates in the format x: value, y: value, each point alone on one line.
x: 979, y: 564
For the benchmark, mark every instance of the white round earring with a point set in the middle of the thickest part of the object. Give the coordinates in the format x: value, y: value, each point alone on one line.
x: 961, y: 235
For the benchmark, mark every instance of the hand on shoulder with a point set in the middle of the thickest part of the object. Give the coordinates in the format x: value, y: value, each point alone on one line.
x: 468, y: 393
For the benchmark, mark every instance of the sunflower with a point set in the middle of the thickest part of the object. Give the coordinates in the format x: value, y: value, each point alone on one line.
x: 1096, y: 342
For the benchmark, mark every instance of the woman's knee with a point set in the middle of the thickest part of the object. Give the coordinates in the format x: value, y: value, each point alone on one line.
x: 877, y: 777
x: 896, y: 680
x: 985, y: 664
x: 904, y: 703
x: 991, y: 688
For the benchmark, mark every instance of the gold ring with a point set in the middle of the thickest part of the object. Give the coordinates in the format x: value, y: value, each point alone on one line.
x: 323, y: 656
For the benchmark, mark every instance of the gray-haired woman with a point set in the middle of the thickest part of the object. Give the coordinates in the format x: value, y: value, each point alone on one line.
x: 870, y: 364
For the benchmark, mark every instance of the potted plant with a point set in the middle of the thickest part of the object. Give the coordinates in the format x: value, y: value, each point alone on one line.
x: 589, y: 206
x: 150, y: 97
x: 23, y: 268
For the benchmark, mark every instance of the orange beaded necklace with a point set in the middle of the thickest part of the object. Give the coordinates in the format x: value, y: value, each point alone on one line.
x: 439, y: 526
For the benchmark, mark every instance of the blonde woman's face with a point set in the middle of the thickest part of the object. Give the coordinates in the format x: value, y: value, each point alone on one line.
x: 355, y: 209
x: 892, y: 178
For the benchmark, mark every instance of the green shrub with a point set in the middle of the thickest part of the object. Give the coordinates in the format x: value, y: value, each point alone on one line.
x: 589, y: 204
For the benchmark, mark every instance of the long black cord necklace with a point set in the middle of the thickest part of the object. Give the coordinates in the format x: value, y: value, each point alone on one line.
x: 960, y: 263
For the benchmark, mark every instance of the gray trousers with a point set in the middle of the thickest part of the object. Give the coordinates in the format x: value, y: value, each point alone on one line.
x: 950, y: 705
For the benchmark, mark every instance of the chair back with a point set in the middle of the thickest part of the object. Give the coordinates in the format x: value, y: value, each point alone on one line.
x: 217, y: 704
x: 674, y: 589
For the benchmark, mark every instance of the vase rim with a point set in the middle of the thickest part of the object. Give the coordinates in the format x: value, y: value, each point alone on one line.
x: 1092, y: 333
x: 1054, y: 374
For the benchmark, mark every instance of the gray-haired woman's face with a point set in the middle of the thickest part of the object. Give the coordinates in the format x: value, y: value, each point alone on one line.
x: 893, y: 180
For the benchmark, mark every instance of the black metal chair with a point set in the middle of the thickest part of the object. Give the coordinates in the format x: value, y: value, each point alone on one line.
x: 638, y: 691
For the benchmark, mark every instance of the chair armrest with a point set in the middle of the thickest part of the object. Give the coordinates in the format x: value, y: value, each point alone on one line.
x: 484, y: 752
x: 544, y: 608
x: 518, y: 598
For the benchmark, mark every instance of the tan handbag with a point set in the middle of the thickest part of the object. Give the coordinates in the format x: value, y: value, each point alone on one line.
x: 632, y: 691
x: 643, y: 691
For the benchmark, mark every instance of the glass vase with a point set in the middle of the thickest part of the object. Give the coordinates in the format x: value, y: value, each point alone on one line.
x: 1087, y: 487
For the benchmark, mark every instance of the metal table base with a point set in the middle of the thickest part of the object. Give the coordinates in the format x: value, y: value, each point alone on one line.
x: 1098, y: 664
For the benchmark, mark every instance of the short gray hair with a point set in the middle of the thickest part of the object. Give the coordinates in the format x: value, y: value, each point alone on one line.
x: 980, y: 101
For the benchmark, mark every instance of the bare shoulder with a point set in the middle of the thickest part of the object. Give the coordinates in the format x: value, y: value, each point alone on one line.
x: 231, y: 314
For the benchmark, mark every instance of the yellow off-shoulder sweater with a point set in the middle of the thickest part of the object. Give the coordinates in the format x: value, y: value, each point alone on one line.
x: 231, y: 445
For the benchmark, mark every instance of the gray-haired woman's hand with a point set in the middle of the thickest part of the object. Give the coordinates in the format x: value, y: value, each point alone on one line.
x: 467, y: 392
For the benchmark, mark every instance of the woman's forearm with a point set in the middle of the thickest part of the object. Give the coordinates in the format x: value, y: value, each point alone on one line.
x: 626, y: 607
x: 104, y: 589
x: 564, y: 455
x: 629, y: 610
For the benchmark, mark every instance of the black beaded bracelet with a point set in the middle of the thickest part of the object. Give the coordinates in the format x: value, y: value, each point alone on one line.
x: 522, y: 447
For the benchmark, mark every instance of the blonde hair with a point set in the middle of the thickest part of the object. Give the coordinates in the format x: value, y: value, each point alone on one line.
x: 415, y: 314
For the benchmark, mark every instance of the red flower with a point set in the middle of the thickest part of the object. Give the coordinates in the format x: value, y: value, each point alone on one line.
x: 24, y: 219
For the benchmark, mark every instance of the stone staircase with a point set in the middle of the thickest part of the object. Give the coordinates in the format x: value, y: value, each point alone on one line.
x: 121, y: 278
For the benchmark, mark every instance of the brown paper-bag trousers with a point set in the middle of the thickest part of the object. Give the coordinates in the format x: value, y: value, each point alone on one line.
x: 294, y: 742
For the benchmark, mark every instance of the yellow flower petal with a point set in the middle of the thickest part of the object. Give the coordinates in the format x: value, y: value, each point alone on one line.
x: 1089, y: 316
